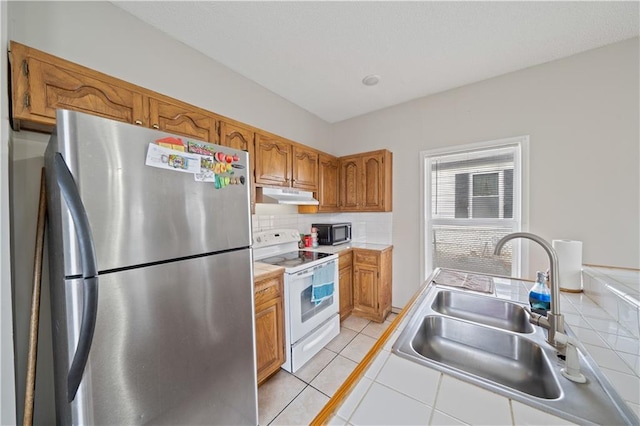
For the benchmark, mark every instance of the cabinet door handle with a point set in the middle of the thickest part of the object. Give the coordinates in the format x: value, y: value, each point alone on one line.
x: 138, y: 122
x: 155, y: 126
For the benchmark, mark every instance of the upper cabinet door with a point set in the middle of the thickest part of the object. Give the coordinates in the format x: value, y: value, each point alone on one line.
x: 239, y: 137
x: 373, y: 180
x: 273, y: 161
x: 328, y: 178
x: 304, y: 168
x: 366, y: 182
x: 183, y: 119
x: 350, y: 182
x: 42, y: 83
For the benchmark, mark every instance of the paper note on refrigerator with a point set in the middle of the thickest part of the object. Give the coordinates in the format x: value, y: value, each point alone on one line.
x: 170, y: 159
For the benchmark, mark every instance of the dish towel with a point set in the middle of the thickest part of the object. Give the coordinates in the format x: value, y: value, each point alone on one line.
x: 322, y: 283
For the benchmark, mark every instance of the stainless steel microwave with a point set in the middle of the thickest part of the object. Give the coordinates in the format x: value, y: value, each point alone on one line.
x: 331, y: 234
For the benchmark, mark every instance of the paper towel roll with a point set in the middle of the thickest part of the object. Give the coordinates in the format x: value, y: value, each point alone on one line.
x: 569, y: 264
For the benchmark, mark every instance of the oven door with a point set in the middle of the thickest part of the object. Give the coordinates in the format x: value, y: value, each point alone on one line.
x: 305, y: 315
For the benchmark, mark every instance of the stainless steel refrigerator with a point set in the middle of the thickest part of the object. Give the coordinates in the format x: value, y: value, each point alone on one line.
x: 151, y: 275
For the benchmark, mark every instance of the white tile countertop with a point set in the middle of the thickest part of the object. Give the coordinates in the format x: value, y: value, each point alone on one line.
x: 393, y: 390
x: 347, y: 246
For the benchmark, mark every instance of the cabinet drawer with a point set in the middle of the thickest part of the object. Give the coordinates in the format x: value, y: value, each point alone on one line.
x: 366, y: 258
x: 345, y: 260
x: 268, y: 289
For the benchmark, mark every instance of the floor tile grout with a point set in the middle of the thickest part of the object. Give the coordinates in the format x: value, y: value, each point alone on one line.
x: 288, y: 404
x: 333, y: 358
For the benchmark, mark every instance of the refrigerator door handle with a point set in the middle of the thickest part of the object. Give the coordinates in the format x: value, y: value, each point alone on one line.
x: 89, y: 274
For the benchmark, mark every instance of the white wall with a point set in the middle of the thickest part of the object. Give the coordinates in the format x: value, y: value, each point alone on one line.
x: 582, y: 115
x: 103, y: 37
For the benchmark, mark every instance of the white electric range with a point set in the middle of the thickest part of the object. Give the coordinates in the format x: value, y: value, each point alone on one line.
x: 309, y: 325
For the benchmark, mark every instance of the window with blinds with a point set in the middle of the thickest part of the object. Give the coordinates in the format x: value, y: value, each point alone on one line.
x: 472, y: 200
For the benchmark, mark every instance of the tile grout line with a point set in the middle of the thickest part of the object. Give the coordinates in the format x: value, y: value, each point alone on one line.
x: 308, y: 384
x: 334, y: 357
x: 289, y: 403
x: 321, y: 370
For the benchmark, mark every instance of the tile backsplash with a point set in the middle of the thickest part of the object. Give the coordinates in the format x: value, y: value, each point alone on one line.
x: 374, y: 228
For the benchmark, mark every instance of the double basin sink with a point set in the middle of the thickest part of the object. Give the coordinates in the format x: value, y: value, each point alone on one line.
x: 490, y: 342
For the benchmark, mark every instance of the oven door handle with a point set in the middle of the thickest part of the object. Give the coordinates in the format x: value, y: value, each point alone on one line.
x: 324, y: 265
x: 305, y: 274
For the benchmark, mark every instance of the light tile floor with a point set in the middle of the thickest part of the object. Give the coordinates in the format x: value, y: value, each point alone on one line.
x: 295, y: 399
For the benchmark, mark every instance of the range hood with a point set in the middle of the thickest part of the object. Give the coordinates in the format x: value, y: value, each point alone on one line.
x: 285, y: 196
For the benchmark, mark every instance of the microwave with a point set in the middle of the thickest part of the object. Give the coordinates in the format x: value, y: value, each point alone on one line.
x: 331, y: 234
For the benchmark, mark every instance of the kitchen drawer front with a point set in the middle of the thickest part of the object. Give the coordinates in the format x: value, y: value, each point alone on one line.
x: 345, y: 259
x: 366, y: 258
x: 268, y: 289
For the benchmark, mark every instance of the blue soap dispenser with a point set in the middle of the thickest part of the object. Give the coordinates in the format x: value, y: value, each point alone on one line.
x: 540, y: 296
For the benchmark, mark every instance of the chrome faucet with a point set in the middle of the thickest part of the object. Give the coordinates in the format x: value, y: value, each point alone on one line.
x: 554, y: 317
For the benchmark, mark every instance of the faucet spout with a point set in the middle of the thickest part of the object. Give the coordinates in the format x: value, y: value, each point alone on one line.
x: 556, y: 320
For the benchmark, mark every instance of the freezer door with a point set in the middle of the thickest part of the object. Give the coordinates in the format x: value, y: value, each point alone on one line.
x: 173, y: 345
x: 140, y: 214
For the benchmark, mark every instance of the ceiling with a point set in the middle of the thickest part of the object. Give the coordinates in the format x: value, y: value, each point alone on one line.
x: 315, y: 54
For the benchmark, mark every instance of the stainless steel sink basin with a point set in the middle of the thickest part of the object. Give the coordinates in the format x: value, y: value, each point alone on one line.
x: 484, y: 310
x: 489, y: 342
x: 505, y: 358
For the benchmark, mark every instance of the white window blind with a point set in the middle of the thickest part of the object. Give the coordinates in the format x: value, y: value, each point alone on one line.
x: 472, y: 200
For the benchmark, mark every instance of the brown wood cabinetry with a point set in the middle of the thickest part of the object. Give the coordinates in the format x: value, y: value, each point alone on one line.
x: 365, y: 181
x: 345, y: 283
x: 273, y: 161
x: 304, y: 168
x: 280, y: 162
x: 179, y: 118
x: 328, y: 174
x: 237, y: 136
x: 41, y: 83
x: 269, y: 317
x: 372, y: 283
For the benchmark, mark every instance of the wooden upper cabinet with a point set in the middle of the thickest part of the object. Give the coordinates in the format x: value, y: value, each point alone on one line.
x: 239, y: 137
x: 41, y: 83
x: 373, y: 181
x: 328, y: 189
x: 304, y: 168
x: 236, y: 136
x: 183, y: 119
x: 280, y: 162
x: 273, y: 161
x: 366, y: 181
x: 350, y: 183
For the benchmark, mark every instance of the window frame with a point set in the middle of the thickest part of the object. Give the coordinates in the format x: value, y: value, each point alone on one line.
x: 520, y: 209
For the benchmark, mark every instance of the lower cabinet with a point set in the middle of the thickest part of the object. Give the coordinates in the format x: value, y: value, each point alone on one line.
x: 372, y: 283
x: 269, y: 314
x: 345, y: 283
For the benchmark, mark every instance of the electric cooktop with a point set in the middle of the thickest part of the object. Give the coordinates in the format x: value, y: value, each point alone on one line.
x: 295, y: 258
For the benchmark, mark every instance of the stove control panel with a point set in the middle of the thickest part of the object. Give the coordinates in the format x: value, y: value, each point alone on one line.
x: 274, y: 237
